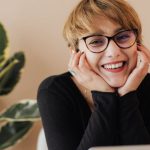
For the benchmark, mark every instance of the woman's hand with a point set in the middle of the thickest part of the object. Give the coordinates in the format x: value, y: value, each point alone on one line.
x: 138, y: 74
x: 85, y: 76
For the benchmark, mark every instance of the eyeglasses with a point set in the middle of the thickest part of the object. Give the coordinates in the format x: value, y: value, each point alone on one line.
x: 98, y: 43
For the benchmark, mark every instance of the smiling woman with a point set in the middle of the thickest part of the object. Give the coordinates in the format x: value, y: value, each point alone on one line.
x: 103, y: 99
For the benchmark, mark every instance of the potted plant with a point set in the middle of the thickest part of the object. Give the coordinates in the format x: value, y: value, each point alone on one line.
x: 16, y: 120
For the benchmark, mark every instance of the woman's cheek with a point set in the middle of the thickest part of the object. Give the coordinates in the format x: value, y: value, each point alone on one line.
x: 82, y: 47
x: 94, y: 61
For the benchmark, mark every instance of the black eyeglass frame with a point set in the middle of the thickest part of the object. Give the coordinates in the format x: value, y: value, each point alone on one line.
x: 112, y: 38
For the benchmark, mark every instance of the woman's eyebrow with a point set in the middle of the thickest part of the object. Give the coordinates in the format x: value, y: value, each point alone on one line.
x: 118, y: 30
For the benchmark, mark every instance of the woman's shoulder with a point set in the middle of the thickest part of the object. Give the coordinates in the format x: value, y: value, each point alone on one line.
x: 55, y: 80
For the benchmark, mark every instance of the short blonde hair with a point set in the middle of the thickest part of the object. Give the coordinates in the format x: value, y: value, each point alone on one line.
x: 80, y: 19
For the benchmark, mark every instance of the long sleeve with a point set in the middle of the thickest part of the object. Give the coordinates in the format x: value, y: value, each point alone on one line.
x: 59, y: 125
x: 101, y: 129
x: 61, y: 119
x: 131, y: 123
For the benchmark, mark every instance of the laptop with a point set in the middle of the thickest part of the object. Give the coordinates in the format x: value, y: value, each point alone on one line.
x: 133, y: 147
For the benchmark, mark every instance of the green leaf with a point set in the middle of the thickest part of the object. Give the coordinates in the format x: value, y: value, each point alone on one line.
x: 25, y: 110
x: 12, y: 132
x: 10, y: 72
x: 3, y: 42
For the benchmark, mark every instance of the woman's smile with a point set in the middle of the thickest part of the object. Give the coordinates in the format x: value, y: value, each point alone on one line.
x: 115, y: 67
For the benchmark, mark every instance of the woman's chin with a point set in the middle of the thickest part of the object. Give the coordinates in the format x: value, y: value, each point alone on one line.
x: 116, y: 83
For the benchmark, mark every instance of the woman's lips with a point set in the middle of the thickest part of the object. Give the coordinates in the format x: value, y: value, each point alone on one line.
x: 115, y: 67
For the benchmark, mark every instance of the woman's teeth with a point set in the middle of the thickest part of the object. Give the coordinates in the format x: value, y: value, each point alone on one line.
x: 113, y: 66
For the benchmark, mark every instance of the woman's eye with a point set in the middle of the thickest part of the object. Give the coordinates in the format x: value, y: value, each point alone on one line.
x: 122, y: 38
x: 96, y: 42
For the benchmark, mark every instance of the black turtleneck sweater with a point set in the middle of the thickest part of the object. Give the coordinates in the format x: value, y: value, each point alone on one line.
x: 69, y: 123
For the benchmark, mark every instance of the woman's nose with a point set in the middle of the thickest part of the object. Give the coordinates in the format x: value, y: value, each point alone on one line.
x: 113, y: 50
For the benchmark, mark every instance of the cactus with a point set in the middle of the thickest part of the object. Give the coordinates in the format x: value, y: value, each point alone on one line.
x: 18, y: 119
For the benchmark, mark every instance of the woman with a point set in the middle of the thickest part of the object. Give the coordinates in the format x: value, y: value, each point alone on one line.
x: 104, y: 98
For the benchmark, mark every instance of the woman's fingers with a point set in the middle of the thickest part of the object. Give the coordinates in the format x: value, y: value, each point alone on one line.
x: 142, y: 67
x: 78, y: 65
x: 71, y: 58
x: 143, y: 61
x: 145, y: 50
x: 136, y: 76
x: 83, y: 73
x: 75, y: 60
x: 83, y: 64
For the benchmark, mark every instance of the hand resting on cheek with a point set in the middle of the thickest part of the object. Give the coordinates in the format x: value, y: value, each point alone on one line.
x: 139, y: 72
x: 84, y: 74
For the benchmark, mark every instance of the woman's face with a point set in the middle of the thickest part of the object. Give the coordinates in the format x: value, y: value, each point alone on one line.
x: 114, y: 64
